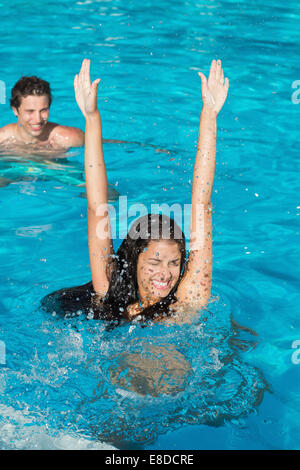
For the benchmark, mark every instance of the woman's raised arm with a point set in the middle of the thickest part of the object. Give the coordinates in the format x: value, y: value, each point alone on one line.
x: 195, y: 286
x: 99, y: 232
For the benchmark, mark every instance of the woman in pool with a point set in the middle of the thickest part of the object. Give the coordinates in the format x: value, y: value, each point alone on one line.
x: 149, y: 276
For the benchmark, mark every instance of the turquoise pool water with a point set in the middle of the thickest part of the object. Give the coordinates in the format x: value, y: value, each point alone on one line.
x: 74, y: 384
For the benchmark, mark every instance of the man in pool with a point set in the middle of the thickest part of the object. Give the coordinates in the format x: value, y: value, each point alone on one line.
x: 30, y: 101
x: 33, y: 133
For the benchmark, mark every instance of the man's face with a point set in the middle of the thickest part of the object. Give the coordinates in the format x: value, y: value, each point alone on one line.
x: 33, y: 114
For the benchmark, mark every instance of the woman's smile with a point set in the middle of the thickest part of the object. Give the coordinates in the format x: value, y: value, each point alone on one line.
x: 158, y: 269
x: 161, y: 285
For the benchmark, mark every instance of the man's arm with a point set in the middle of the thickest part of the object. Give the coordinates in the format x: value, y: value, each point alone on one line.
x: 66, y: 137
x: 6, y: 132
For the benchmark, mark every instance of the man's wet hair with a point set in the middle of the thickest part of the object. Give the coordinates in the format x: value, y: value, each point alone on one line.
x: 27, y: 86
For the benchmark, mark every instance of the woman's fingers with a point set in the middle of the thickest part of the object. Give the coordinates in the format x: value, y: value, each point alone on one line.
x: 81, y: 73
x: 83, y: 77
x: 214, y: 90
x: 222, y: 77
x: 87, y: 70
x: 96, y: 83
x: 203, y: 78
x: 77, y: 87
x: 218, y: 69
x: 216, y: 74
x: 212, y: 72
x: 85, y: 91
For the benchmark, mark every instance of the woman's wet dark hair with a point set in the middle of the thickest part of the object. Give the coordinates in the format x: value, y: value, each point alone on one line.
x: 29, y: 86
x: 123, y: 287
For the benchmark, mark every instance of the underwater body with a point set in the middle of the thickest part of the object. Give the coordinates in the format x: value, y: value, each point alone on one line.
x: 228, y: 380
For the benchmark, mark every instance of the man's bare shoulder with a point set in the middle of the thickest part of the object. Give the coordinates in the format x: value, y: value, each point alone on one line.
x: 66, y: 136
x: 7, y: 131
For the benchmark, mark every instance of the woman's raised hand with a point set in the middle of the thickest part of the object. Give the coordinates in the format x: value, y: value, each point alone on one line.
x: 85, y: 91
x: 215, y: 89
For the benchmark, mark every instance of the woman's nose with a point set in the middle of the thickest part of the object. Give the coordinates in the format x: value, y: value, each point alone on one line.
x: 165, y: 273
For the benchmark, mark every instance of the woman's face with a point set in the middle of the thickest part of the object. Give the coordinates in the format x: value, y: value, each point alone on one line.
x: 158, y: 269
